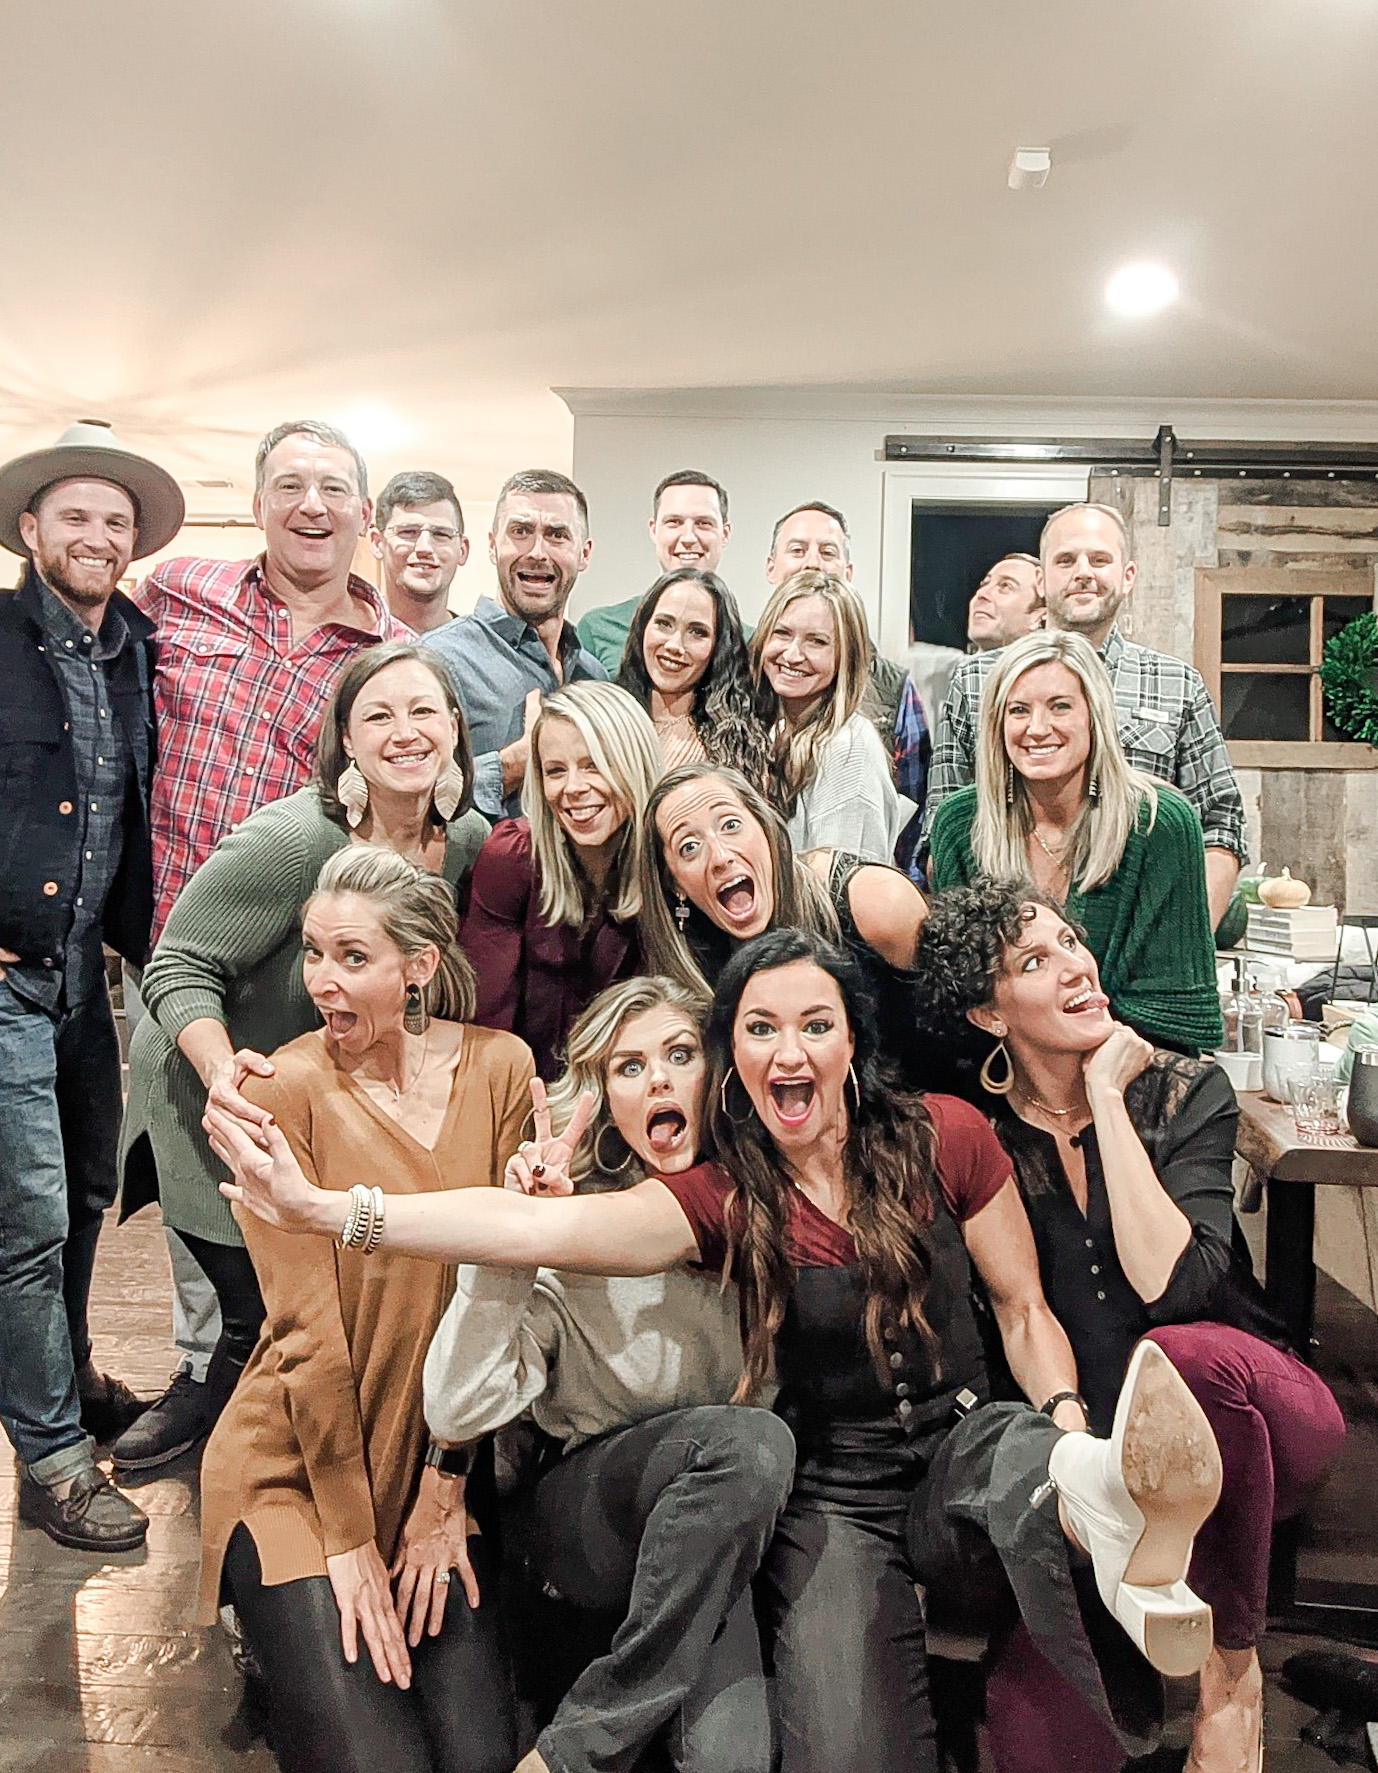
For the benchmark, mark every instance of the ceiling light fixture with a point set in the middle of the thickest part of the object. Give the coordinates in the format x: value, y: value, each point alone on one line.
x: 370, y: 425
x: 1141, y: 289
x: 1029, y: 169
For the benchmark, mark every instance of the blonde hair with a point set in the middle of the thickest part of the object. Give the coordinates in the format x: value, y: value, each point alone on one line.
x: 1004, y: 809
x: 622, y: 742
x: 587, y: 1047
x: 416, y: 910
x: 800, y: 899
x: 795, y: 760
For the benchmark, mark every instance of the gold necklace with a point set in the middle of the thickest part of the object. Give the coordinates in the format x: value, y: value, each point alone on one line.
x: 1052, y: 855
x: 406, y: 1089
x: 1044, y: 1107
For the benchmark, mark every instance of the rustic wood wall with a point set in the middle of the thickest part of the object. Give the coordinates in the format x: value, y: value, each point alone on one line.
x: 1321, y: 823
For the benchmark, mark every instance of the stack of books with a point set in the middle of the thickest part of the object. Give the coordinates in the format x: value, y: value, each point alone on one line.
x: 1302, y: 932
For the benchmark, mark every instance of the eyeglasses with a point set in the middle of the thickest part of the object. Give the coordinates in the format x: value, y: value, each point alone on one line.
x: 409, y: 534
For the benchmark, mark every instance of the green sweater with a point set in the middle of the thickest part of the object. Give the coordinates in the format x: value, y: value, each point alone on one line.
x: 1149, y: 926
x: 231, y: 950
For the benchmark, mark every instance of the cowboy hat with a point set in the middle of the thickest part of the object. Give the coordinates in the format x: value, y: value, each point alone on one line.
x: 89, y: 450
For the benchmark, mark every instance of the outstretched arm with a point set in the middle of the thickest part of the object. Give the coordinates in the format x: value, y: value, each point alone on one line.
x: 642, y: 1230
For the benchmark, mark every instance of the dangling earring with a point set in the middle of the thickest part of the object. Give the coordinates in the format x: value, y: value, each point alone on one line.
x: 1009, y: 783
x: 856, y: 1087
x: 414, y: 1017
x: 449, y: 789
x: 352, y: 793
x: 681, y: 912
x: 601, y: 1162
x: 737, y: 1120
x: 1004, y: 1085
x: 1093, y: 788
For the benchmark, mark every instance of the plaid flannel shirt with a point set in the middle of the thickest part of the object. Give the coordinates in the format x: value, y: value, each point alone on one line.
x: 1167, y: 723
x: 238, y: 704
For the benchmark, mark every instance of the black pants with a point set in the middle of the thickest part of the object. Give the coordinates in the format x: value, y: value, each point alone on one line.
x: 970, y: 1517
x: 665, y: 1522
x: 230, y: 1271
x: 330, y: 1716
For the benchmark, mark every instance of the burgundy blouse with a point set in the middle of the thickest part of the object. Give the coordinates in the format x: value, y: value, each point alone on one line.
x: 972, y: 1168
x: 533, y: 977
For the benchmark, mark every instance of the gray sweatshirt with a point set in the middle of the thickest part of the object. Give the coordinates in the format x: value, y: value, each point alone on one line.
x: 584, y: 1352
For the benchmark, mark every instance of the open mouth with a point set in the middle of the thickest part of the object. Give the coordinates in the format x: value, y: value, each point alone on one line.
x: 339, y: 1022
x: 738, y: 898
x: 406, y: 760
x: 665, y: 1129
x: 584, y: 816
x: 312, y: 534
x: 1085, y: 1001
x: 538, y: 581
x: 793, y: 1099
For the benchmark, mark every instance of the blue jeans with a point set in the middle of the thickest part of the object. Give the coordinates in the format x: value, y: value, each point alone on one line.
x: 59, y: 1132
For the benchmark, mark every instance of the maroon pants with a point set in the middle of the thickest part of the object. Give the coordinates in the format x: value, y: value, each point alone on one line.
x: 1280, y: 1431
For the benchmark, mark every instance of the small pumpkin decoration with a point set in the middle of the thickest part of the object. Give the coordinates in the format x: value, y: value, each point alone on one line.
x: 1283, y: 893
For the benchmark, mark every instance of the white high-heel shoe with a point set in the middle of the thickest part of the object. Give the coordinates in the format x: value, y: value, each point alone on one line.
x: 1135, y: 1503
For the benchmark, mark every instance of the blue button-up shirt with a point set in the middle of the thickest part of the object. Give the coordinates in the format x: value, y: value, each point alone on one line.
x: 495, y: 660
x: 103, y: 769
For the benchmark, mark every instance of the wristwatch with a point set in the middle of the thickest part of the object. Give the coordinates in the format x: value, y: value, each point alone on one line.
x: 453, y: 1462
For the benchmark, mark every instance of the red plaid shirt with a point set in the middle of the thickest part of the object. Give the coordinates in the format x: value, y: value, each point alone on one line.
x: 238, y: 704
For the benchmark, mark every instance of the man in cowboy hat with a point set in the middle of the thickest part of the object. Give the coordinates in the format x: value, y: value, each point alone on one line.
x: 76, y: 760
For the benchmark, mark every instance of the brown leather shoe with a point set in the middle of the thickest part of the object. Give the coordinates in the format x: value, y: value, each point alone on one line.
x: 85, y: 1512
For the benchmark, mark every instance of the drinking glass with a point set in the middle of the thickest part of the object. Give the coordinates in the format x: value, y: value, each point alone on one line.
x: 1315, y: 1097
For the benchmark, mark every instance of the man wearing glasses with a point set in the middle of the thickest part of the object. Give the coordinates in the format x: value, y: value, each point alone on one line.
x: 418, y: 535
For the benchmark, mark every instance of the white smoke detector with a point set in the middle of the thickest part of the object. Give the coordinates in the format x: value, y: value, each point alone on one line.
x: 1029, y: 168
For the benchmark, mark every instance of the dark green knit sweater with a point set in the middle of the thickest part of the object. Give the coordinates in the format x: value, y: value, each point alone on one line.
x: 1149, y: 926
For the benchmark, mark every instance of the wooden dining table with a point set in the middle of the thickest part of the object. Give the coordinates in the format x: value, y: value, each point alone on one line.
x: 1287, y: 1170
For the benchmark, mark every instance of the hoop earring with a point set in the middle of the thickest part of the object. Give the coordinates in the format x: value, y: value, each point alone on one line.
x: 415, y: 1018
x: 856, y: 1088
x: 681, y: 912
x: 1004, y: 1085
x: 352, y: 793
x: 448, y: 790
x: 1009, y: 783
x: 736, y: 1119
x: 601, y: 1162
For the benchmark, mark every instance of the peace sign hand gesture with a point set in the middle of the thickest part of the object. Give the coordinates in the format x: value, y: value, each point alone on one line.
x: 542, y: 1165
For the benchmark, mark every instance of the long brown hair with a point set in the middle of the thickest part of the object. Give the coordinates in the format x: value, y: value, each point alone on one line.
x: 889, y: 1171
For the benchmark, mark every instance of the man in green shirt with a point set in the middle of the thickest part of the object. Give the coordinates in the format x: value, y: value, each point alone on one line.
x: 689, y: 527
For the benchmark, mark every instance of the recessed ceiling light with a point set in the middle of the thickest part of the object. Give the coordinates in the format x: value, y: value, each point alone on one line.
x: 370, y: 425
x: 1140, y: 289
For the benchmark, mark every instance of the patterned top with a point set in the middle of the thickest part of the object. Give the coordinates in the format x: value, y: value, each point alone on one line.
x: 1168, y: 727
x: 103, y: 765
x: 239, y: 703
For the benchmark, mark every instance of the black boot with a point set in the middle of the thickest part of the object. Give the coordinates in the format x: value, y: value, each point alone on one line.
x: 85, y: 1512
x: 108, y: 1406
x: 173, y: 1425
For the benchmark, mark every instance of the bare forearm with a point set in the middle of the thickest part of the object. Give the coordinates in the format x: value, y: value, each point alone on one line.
x: 206, y: 1045
x: 1040, y: 1356
x: 1151, y: 1230
x: 1222, y: 870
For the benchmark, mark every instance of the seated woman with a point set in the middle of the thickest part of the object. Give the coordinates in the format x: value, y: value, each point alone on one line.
x: 851, y: 1214
x: 1123, y: 1157
x: 555, y: 894
x: 829, y: 772
x: 316, y: 1482
x: 685, y: 662
x: 675, y: 1490
x: 718, y: 868
x: 224, y: 986
x: 1056, y: 803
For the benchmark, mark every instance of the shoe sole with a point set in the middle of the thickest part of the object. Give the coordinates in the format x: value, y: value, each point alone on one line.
x: 1171, y: 1467
x: 152, y: 1462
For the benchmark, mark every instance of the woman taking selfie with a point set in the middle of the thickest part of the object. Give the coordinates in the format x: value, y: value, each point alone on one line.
x: 555, y: 894
x: 1056, y: 803
x: 675, y: 1490
x: 829, y: 772
x: 685, y: 662
x: 851, y: 1215
x: 1123, y: 1157
x: 316, y: 1487
x: 224, y: 986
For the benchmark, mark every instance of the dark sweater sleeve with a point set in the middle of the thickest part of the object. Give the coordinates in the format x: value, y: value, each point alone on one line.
x: 1194, y: 1156
x: 949, y: 841
x: 493, y: 933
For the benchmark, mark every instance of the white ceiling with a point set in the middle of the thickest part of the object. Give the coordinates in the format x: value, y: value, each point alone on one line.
x: 221, y: 214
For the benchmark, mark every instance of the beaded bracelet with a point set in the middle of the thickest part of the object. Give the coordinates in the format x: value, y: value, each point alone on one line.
x: 375, y: 1225
x: 359, y: 1221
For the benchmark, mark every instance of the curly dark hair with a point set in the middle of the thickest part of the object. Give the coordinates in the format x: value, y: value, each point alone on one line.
x: 724, y: 711
x: 889, y: 1157
x: 961, y: 951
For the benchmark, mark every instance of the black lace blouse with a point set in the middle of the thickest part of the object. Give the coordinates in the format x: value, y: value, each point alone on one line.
x: 1185, y: 1112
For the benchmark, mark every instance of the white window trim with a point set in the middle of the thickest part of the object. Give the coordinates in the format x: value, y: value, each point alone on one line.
x: 1011, y: 483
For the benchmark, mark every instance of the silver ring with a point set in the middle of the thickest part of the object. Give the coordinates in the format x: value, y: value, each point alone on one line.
x: 442, y: 1577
